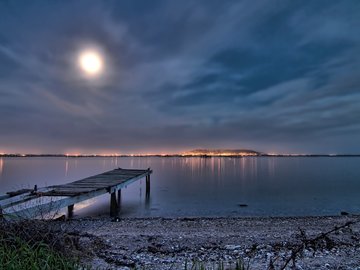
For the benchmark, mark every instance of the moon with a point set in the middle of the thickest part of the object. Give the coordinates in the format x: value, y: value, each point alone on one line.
x: 91, y: 62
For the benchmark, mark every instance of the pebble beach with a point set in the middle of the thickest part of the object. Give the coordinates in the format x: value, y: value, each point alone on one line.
x: 331, y: 242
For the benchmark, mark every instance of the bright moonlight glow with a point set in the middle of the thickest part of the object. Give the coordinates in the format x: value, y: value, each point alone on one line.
x: 91, y: 62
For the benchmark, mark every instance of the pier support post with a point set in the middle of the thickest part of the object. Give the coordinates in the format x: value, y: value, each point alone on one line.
x: 148, y: 184
x: 147, y: 193
x: 119, y: 200
x: 114, y: 208
x: 70, y: 211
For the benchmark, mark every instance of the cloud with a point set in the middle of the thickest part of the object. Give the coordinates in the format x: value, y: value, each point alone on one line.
x: 180, y: 75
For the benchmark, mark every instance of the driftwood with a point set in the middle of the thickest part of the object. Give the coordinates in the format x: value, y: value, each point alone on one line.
x: 313, y: 242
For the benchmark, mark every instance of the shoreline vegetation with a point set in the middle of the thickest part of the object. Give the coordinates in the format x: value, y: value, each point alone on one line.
x: 218, y: 243
x: 37, y: 244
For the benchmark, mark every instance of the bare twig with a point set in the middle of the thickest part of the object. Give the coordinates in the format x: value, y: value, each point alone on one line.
x: 312, y: 241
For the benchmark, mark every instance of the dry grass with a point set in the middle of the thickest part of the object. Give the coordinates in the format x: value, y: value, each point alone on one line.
x: 37, y: 245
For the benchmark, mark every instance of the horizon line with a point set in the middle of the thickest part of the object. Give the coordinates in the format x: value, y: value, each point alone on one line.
x: 258, y: 154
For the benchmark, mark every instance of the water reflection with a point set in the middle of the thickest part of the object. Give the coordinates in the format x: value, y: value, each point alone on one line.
x: 186, y: 186
x: 271, y: 166
x: 66, y: 167
x: 85, y: 204
x: 220, y: 167
x: 1, y: 166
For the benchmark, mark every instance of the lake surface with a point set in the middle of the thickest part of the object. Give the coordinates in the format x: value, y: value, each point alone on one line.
x: 270, y: 186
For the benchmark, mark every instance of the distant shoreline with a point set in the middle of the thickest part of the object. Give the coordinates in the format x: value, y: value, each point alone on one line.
x: 178, y: 155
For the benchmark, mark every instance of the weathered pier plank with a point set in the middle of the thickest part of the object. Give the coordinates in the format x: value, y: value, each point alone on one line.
x: 67, y: 195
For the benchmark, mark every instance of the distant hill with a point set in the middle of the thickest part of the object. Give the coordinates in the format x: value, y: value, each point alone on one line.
x: 222, y: 152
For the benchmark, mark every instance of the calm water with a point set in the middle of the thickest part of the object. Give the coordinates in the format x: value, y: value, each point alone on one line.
x: 270, y: 186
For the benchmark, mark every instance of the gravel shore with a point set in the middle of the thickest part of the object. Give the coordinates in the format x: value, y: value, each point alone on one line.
x: 263, y: 243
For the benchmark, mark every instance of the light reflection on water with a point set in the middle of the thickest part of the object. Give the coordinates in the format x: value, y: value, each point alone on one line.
x: 1, y: 166
x: 270, y: 186
x: 66, y: 167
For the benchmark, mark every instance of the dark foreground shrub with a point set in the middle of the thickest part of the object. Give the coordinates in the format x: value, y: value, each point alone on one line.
x: 17, y: 254
x: 36, y: 245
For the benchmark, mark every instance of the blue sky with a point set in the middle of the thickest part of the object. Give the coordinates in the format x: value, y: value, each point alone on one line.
x: 274, y: 76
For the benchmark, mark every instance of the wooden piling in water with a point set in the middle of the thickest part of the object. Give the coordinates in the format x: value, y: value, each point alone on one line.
x: 70, y: 210
x: 148, y: 184
x: 119, y: 200
x: 113, y: 205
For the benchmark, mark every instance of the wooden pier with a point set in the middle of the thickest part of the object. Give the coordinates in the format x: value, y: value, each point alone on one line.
x: 27, y: 203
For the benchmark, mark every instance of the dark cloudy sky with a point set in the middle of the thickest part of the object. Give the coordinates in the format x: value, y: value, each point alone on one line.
x: 274, y: 76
